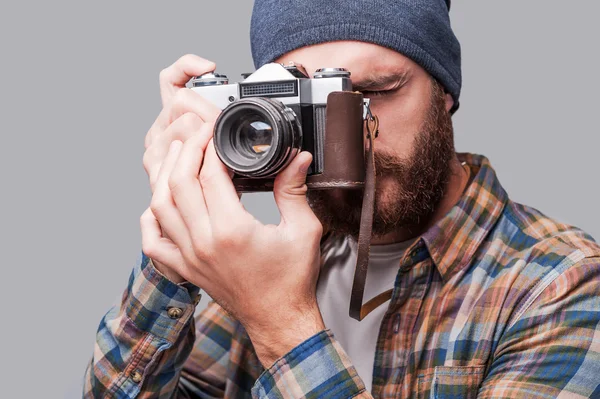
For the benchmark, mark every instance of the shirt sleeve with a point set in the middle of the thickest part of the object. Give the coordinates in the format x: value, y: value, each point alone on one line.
x: 552, y: 349
x: 317, y: 368
x: 143, y: 342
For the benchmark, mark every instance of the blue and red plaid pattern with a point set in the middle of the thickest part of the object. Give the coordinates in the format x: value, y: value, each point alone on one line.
x: 495, y: 301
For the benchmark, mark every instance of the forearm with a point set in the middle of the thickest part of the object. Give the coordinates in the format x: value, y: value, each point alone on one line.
x: 142, y: 343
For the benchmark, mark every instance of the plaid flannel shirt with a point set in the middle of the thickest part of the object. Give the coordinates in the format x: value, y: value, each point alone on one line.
x: 495, y: 301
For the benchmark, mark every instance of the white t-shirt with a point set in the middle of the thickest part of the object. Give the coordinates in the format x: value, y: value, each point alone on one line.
x: 358, y: 338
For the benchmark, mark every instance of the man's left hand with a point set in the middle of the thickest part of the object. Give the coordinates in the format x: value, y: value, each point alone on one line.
x: 263, y: 275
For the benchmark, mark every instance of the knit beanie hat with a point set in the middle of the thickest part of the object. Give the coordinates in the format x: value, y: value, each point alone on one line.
x: 418, y: 29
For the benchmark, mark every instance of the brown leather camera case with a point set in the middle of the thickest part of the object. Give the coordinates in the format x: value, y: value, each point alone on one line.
x: 343, y: 151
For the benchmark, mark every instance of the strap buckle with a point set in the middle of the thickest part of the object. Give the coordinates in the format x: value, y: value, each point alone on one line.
x: 371, y: 120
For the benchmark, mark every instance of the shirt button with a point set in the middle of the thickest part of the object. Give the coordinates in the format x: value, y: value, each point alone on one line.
x: 136, y: 376
x: 175, y: 313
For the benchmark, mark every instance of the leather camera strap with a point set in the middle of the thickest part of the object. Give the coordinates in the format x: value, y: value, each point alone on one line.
x: 357, y: 310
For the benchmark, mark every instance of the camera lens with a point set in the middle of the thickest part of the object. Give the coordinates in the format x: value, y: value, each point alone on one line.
x: 257, y: 136
x: 254, y: 136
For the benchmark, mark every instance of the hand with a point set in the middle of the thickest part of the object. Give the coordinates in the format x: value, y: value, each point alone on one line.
x: 264, y: 275
x: 184, y: 114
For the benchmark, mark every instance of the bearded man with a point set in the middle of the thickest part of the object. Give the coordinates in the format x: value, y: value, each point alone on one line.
x: 479, y: 296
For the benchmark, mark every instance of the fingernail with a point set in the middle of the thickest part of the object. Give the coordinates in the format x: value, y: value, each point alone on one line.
x: 306, y: 163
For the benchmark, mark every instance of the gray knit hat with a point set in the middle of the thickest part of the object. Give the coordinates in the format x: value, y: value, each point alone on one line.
x: 419, y: 29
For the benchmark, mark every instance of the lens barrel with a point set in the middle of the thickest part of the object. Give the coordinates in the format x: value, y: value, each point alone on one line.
x: 257, y: 136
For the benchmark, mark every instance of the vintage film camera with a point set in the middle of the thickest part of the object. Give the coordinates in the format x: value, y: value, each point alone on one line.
x: 276, y: 112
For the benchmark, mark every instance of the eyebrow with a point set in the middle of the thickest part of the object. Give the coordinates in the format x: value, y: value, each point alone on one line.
x: 378, y: 82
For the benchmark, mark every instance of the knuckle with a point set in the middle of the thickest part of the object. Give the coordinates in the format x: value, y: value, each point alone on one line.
x: 147, y: 214
x: 145, y: 217
x: 181, y: 97
x: 149, y: 137
x: 206, y: 177
x: 163, y: 75
x: 149, y: 248
x: 151, y: 160
x: 292, y: 192
x: 308, y: 232
x: 201, y: 252
x: 176, y: 181
x: 226, y: 238
x: 147, y: 161
x: 158, y: 206
x: 231, y: 236
x: 190, y: 121
x: 181, y: 100
x: 315, y: 229
x: 299, y: 190
x: 187, y: 59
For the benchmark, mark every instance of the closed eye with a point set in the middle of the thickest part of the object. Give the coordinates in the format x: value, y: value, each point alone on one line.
x: 379, y: 93
x: 381, y: 85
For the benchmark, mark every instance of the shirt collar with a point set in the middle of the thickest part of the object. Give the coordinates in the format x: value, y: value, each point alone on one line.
x: 453, y: 240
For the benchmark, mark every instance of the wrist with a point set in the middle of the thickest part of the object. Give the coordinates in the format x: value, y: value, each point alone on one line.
x: 167, y: 273
x: 149, y: 293
x: 276, y: 338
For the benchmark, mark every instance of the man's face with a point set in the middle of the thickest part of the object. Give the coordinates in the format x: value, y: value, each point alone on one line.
x: 415, y: 142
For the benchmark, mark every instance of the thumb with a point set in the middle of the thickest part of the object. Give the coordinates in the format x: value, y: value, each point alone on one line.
x: 290, y: 189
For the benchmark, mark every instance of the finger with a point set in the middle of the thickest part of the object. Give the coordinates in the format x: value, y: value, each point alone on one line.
x: 222, y: 200
x: 187, y: 191
x: 180, y: 72
x: 290, y: 189
x: 184, y: 101
x: 157, y: 247
x: 181, y: 129
x: 163, y: 207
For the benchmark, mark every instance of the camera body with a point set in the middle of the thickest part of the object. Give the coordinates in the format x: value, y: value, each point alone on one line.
x: 278, y: 111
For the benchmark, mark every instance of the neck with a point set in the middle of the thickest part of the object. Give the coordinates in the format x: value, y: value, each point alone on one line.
x: 455, y: 187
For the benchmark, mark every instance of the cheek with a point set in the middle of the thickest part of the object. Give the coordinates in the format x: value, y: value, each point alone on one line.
x: 385, y: 184
x: 399, y: 124
x: 388, y: 189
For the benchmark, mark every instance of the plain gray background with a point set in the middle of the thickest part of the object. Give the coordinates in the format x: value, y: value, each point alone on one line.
x: 79, y: 90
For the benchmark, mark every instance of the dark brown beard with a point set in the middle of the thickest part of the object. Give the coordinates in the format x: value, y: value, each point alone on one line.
x: 414, y: 187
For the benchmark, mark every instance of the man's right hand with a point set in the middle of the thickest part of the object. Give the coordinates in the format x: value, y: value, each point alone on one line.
x: 184, y: 114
